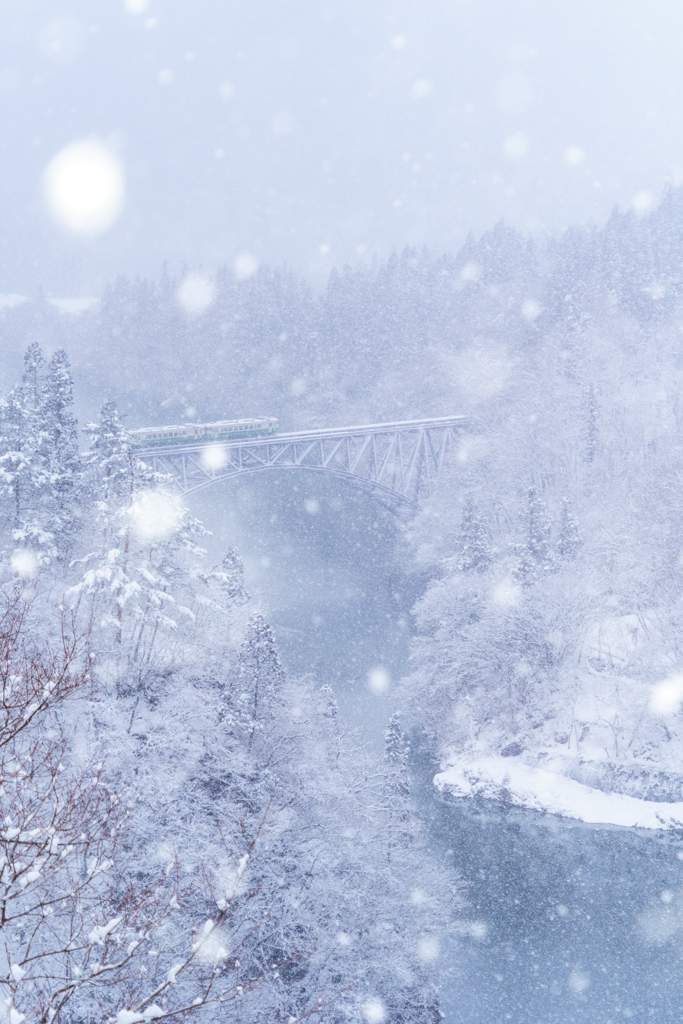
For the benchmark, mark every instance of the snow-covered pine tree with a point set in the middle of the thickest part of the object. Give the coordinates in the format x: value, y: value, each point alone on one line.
x: 396, y: 755
x: 569, y: 540
x: 539, y: 530
x: 60, y: 452
x: 260, y: 677
x: 59, y: 421
x: 136, y: 583
x: 24, y: 474
x: 34, y: 360
x: 443, y: 677
x: 221, y: 607
x: 116, y: 473
x: 220, y: 779
x: 328, y: 707
x: 590, y: 418
x: 536, y: 553
x: 233, y: 576
x: 474, y: 544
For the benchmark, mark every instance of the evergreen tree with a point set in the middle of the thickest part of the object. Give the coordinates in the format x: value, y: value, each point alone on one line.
x: 61, y: 453
x: 474, y: 543
x: 260, y: 676
x: 137, y: 582
x: 396, y: 790
x: 569, y: 541
x: 396, y: 754
x: 233, y: 576
x: 34, y: 361
x: 329, y: 709
x: 536, y: 554
x: 116, y: 471
x: 24, y: 470
x: 539, y: 530
x: 59, y: 421
x: 590, y: 417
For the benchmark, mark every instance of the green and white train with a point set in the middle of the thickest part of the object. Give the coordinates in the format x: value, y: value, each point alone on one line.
x: 197, y: 433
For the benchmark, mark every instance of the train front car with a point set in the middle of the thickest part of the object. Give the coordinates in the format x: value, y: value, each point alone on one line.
x: 197, y: 433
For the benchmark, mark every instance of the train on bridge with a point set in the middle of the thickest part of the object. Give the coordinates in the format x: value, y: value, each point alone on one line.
x: 399, y: 464
x: 192, y: 433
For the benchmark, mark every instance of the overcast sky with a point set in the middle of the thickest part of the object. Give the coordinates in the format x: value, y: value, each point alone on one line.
x: 319, y: 132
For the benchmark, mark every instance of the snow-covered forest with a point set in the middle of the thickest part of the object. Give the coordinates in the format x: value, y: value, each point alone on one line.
x: 341, y: 537
x: 247, y: 854
x: 241, y: 849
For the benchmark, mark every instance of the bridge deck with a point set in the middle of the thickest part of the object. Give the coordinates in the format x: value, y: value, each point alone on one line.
x: 319, y: 434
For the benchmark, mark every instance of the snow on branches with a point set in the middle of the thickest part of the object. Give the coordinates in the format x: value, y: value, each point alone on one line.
x: 77, y: 928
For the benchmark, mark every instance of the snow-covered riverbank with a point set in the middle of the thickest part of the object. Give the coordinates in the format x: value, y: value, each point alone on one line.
x: 510, y: 780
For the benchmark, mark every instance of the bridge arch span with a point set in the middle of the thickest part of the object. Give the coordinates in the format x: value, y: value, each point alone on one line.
x: 399, y: 464
x: 400, y: 506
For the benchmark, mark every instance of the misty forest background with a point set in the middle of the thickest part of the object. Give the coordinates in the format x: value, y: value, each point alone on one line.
x: 564, y: 354
x: 558, y: 527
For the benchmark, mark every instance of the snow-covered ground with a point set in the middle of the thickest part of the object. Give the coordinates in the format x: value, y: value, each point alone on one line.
x: 513, y: 781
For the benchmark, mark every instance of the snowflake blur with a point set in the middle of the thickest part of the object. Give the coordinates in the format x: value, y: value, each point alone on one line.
x: 214, y: 457
x: 378, y: 680
x: 84, y: 187
x: 666, y: 697
x: 156, y: 516
x: 24, y: 562
x: 196, y: 294
x: 245, y: 266
x: 374, y: 1011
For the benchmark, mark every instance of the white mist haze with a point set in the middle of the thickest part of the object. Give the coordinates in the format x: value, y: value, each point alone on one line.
x: 321, y: 762
x: 319, y: 134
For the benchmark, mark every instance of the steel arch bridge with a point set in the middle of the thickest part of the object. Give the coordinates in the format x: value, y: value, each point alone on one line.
x: 399, y: 464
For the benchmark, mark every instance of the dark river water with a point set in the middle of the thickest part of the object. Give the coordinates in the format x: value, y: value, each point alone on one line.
x: 577, y: 923
x: 574, y: 923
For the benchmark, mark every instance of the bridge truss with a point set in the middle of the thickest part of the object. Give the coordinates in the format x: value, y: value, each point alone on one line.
x: 399, y: 464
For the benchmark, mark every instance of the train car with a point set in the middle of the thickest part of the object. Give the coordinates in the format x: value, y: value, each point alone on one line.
x: 196, y: 433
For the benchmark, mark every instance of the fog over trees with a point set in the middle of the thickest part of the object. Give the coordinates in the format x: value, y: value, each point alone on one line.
x: 284, y: 747
x: 298, y: 876
x: 297, y: 869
